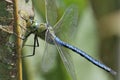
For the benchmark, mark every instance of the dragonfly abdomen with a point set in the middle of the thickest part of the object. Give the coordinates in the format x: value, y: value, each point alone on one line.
x: 82, y: 53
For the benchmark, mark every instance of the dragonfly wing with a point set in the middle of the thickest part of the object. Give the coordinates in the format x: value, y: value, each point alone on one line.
x: 67, y: 23
x: 51, y: 12
x: 49, y: 58
x: 67, y: 61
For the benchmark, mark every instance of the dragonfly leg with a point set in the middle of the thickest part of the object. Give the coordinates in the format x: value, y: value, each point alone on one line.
x: 23, y: 28
x: 36, y: 44
x: 21, y: 37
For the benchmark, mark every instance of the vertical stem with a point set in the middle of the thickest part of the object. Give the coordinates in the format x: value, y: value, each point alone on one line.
x: 18, y: 40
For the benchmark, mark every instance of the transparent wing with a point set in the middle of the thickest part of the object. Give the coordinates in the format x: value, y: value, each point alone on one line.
x: 49, y: 56
x: 67, y: 23
x: 51, y: 12
x: 67, y: 61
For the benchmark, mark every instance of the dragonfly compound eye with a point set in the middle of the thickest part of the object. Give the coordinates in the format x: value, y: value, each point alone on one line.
x: 30, y: 23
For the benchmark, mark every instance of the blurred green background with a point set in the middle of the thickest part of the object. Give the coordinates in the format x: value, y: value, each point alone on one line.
x: 97, y: 34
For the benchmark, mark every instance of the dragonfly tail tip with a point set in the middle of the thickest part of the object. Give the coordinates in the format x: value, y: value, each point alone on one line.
x: 113, y: 72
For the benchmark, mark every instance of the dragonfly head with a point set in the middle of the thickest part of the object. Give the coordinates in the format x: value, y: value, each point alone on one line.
x: 29, y: 19
x: 31, y: 24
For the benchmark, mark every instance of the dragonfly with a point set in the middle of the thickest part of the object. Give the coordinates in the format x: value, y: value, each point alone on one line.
x: 48, y: 30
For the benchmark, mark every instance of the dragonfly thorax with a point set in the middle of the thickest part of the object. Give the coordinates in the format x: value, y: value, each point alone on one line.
x: 46, y: 32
